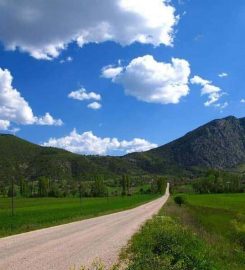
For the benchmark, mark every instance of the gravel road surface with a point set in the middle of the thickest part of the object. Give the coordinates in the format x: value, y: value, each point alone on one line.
x: 76, y: 243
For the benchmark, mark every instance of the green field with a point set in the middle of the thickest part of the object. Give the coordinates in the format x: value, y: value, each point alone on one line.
x: 219, y: 213
x: 206, y: 233
x: 232, y: 202
x: 36, y: 213
x: 219, y: 220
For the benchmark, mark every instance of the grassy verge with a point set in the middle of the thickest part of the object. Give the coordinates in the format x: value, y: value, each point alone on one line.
x: 36, y: 213
x: 163, y: 243
x: 222, y: 215
x: 227, y: 253
x: 194, y: 236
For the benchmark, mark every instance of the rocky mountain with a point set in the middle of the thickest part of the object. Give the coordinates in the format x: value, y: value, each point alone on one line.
x: 218, y: 144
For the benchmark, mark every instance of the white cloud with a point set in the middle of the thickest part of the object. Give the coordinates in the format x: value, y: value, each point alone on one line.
x: 82, y: 94
x: 242, y: 100
x: 137, y: 145
x: 14, y: 108
x: 212, y: 99
x: 223, y: 74
x: 88, y: 143
x: 94, y: 105
x: 110, y: 72
x: 222, y: 106
x: 213, y: 92
x: 48, y: 120
x: 152, y: 81
x: 198, y: 80
x: 4, y: 124
x: 67, y: 59
x: 209, y: 89
x: 39, y: 28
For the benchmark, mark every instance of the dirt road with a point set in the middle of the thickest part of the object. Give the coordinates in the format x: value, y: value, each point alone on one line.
x: 76, y: 243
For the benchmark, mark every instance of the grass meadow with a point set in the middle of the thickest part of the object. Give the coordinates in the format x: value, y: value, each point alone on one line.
x: 221, y: 214
x: 35, y: 213
x: 206, y: 233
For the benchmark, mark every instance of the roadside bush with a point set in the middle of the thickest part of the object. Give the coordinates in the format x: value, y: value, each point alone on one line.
x: 164, y: 244
x: 179, y: 200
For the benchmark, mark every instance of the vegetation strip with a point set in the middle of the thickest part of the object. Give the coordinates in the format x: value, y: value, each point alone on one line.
x: 184, y: 237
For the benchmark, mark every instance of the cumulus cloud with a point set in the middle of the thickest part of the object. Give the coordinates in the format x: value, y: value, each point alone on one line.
x: 14, y: 108
x: 152, y: 81
x: 213, y: 92
x: 82, y: 94
x: 242, y: 100
x: 4, y: 125
x: 88, y: 143
x: 198, y: 80
x: 223, y: 74
x: 94, y: 105
x: 39, y: 27
x: 110, y: 72
x: 48, y: 120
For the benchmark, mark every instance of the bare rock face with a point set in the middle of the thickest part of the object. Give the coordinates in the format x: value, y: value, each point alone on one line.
x: 218, y: 144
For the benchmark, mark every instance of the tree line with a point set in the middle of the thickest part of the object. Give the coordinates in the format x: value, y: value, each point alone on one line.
x: 215, y: 181
x: 96, y: 187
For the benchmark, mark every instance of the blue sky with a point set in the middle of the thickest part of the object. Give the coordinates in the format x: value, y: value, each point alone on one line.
x: 209, y: 36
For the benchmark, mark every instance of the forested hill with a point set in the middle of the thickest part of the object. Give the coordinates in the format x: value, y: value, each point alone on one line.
x: 218, y: 144
x: 20, y: 157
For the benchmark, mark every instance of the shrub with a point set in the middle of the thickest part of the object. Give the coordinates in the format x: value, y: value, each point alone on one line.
x: 179, y: 200
x: 164, y: 244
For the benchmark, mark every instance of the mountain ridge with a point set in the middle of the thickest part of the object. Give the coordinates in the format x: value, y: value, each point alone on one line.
x: 209, y: 145
x: 218, y: 144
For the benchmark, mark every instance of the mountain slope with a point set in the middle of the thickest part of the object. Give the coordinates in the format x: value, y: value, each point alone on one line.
x: 218, y: 144
x: 21, y: 158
